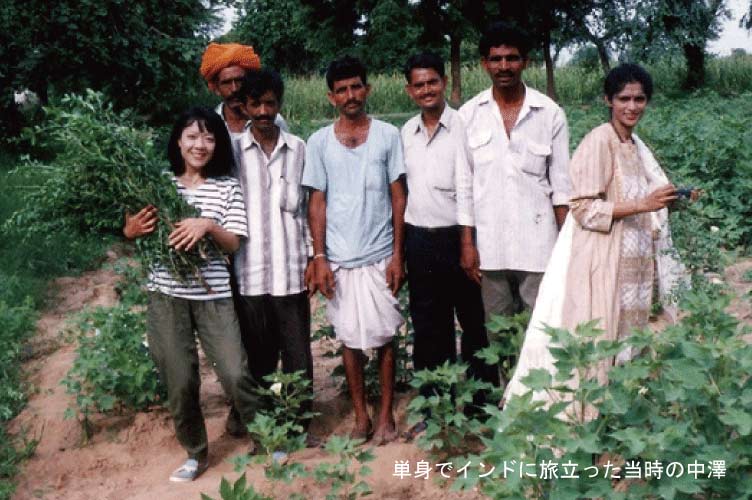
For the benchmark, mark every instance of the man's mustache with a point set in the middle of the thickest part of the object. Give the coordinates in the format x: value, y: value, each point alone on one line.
x: 353, y: 101
x: 262, y: 117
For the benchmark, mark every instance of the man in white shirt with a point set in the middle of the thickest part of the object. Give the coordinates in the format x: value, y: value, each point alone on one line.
x: 519, y: 142
x: 272, y: 301
x: 223, y: 66
x: 442, y: 260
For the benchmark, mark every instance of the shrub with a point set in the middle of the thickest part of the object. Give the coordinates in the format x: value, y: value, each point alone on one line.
x: 112, y: 370
x: 102, y: 167
x: 17, y: 324
x: 239, y: 490
x: 444, y: 411
x: 11, y: 454
x: 686, y: 399
x: 703, y: 141
x: 341, y: 475
x: 279, y: 425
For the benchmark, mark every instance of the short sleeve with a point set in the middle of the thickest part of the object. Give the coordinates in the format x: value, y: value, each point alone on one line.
x: 314, y: 172
x: 235, y: 217
x: 396, y: 160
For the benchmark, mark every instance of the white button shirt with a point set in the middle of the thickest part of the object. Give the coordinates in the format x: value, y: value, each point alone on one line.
x: 517, y: 180
x: 439, y: 172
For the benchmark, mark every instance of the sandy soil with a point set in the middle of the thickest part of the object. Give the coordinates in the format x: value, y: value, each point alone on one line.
x: 131, y: 456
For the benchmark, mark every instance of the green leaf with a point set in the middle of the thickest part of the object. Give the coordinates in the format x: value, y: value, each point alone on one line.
x: 225, y: 490
x: 634, y: 438
x: 537, y: 379
x: 740, y: 420
x: 362, y: 489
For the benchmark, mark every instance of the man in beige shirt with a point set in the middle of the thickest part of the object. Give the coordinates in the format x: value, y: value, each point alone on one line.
x: 520, y: 148
x: 442, y: 261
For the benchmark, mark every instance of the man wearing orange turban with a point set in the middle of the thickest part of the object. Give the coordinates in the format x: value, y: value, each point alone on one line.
x: 223, y: 66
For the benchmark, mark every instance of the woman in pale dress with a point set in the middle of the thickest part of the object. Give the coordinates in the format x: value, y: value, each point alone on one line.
x: 613, y: 241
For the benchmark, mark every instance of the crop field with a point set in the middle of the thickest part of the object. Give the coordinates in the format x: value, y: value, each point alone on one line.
x: 688, y: 397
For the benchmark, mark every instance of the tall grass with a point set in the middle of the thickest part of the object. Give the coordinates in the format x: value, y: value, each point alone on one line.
x: 306, y: 105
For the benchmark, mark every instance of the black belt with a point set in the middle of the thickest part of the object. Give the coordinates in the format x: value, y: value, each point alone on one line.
x: 434, y: 230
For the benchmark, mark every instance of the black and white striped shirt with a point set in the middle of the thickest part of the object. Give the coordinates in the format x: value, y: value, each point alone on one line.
x: 219, y: 199
x: 274, y: 257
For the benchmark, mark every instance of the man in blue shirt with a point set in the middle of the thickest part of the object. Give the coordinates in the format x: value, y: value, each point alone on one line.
x: 354, y: 169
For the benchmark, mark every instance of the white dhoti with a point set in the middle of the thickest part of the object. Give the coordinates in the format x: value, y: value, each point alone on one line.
x: 363, y: 311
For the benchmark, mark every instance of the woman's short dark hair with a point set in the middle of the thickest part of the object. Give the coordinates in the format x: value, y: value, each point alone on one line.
x: 626, y: 73
x: 221, y: 162
x: 424, y: 60
x: 344, y: 68
x: 258, y: 82
x: 504, y: 33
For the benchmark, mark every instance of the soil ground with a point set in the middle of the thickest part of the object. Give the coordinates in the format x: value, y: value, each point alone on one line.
x: 131, y: 456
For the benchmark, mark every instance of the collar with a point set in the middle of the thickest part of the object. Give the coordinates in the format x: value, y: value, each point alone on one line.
x: 533, y: 98
x: 445, y: 120
x: 247, y: 140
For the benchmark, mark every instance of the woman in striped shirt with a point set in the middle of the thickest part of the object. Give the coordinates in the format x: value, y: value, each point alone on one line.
x: 201, y: 160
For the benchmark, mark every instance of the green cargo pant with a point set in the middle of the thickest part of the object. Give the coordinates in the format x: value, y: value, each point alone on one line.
x: 171, y: 323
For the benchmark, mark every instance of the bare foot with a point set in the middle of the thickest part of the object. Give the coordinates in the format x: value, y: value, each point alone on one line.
x: 362, y: 430
x: 386, y: 431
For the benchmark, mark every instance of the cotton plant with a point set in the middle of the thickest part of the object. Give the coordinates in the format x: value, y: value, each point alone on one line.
x: 685, y: 401
x: 277, y: 428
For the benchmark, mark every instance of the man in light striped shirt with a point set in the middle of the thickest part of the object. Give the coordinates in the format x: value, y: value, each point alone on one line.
x: 273, y: 305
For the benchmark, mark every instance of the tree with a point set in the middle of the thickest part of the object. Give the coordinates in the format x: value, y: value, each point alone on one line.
x: 391, y: 35
x: 603, y: 24
x: 143, y: 53
x: 279, y: 31
x: 690, y: 24
x: 332, y: 27
x: 539, y: 18
x: 746, y: 20
x: 450, y: 19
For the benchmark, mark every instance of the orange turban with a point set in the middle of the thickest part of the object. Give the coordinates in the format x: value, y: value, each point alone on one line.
x: 219, y: 56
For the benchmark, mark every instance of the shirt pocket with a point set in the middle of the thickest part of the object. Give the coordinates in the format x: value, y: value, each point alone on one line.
x: 441, y: 177
x: 289, y: 195
x: 375, y: 175
x: 534, y: 160
x: 479, y: 142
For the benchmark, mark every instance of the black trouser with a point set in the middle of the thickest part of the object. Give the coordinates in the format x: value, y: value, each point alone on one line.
x: 439, y: 288
x: 271, y: 326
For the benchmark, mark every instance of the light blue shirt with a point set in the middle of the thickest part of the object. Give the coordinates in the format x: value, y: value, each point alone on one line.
x: 358, y: 199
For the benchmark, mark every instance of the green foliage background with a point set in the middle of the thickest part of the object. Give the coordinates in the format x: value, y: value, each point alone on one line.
x: 701, y: 139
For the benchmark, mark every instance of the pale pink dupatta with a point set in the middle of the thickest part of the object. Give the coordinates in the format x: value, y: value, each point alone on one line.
x: 535, y: 353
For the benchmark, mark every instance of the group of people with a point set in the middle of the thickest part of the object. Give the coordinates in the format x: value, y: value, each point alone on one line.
x: 468, y: 203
